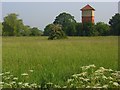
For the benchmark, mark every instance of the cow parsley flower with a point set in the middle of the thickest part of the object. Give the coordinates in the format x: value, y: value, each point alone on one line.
x: 115, y: 83
x: 24, y: 74
x: 20, y: 83
x: 7, y: 72
x: 70, y: 80
x: 31, y: 70
x: 105, y: 86
x: 93, y: 66
x: 15, y: 78
x: 1, y: 83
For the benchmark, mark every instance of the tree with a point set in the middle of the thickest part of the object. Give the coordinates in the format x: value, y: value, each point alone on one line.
x: 68, y: 23
x: 36, y: 32
x: 102, y: 28
x: 26, y: 31
x: 0, y: 25
x: 0, y: 28
x: 12, y: 25
x: 89, y: 29
x: 79, y: 29
x: 70, y: 29
x: 47, y: 30
x: 56, y: 32
x: 115, y: 24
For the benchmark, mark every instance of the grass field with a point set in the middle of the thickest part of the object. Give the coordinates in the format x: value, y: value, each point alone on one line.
x: 57, y: 60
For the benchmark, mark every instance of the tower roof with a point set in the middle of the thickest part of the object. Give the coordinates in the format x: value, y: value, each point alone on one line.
x: 87, y: 7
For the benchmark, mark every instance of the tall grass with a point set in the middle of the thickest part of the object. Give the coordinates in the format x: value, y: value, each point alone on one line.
x: 57, y: 60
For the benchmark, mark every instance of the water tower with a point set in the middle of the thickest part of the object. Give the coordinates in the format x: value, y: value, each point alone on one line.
x: 87, y: 14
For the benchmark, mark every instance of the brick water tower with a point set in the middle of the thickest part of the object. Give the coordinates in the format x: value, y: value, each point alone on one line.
x: 87, y: 14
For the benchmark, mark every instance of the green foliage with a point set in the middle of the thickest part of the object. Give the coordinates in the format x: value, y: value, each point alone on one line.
x: 36, y: 32
x: 12, y: 25
x: 26, y: 31
x: 68, y: 23
x: 102, y: 28
x: 79, y: 29
x: 89, y: 29
x: 115, y: 24
x: 47, y: 30
x: 56, y: 32
x: 0, y: 28
x: 70, y: 29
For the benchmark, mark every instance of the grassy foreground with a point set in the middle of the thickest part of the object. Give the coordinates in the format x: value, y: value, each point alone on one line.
x: 56, y: 60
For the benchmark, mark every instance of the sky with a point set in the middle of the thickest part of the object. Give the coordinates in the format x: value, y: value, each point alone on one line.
x: 40, y: 14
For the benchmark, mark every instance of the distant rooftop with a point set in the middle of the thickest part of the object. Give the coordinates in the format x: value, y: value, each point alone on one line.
x: 87, y: 7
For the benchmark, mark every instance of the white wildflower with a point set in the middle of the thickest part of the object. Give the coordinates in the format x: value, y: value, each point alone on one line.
x: 110, y: 78
x: 110, y: 70
x: 75, y: 76
x: 26, y: 84
x: 105, y: 86
x: 20, y: 83
x: 115, y: 83
x: 34, y: 85
x: 7, y: 72
x: 1, y: 83
x: 71, y: 85
x: 81, y: 78
x: 99, y: 87
x: 99, y: 72
x: 31, y: 70
x: 12, y: 82
x: 85, y: 68
x: 104, y: 77
x: 88, y: 87
x: 93, y: 66
x: 111, y: 82
x: 84, y: 73
x: 57, y: 86
x: 15, y: 78
x: 85, y: 80
x: 24, y: 74
x: 8, y: 84
x: 49, y: 83
x: 7, y: 78
x: 102, y: 68
x: 70, y: 80
x: 78, y: 75
x: 1, y: 74
x: 64, y: 86
x: 96, y: 77
x: 11, y: 75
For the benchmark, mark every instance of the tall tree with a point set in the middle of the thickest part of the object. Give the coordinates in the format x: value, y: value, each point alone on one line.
x: 68, y: 23
x: 102, y: 28
x: 56, y: 32
x: 12, y: 25
x: 79, y: 29
x: 0, y: 28
x: 115, y: 24
x: 89, y: 29
x: 26, y: 31
x: 36, y: 32
x: 47, y: 30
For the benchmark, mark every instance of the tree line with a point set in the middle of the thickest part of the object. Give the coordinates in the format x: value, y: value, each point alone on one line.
x: 63, y: 25
x: 72, y: 28
x: 13, y: 26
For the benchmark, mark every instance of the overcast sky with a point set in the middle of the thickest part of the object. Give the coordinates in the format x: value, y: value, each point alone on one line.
x: 39, y: 14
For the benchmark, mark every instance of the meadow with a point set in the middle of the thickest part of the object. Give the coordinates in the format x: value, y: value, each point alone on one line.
x: 56, y: 60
